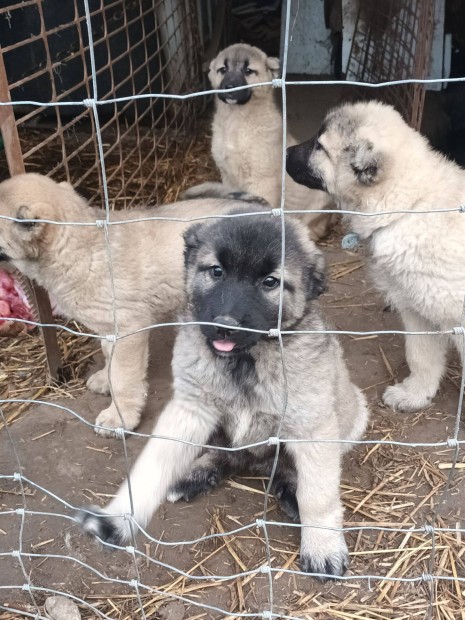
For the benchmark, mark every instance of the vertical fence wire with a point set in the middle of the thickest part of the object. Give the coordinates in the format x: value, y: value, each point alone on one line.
x: 431, y: 578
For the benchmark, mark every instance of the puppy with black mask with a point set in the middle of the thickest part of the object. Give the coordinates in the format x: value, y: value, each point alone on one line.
x: 247, y: 140
x: 403, y: 200
x: 230, y: 388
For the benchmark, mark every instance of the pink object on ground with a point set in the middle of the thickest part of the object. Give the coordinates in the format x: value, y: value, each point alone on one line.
x: 13, y: 304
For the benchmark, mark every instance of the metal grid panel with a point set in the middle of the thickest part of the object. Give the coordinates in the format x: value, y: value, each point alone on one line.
x: 392, y: 41
x: 141, y: 47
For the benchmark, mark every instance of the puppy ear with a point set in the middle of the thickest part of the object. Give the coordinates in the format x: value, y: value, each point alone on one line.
x: 66, y: 185
x: 191, y: 243
x: 29, y: 228
x: 273, y: 65
x: 316, y: 277
x: 365, y: 163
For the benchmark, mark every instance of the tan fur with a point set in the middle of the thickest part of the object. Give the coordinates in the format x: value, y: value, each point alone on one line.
x: 371, y: 161
x: 247, y: 141
x: 72, y: 264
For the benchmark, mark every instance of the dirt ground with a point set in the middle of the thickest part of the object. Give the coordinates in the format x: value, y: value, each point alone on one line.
x: 382, y: 487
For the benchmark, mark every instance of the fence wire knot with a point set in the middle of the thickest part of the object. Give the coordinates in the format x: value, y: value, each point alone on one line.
x: 277, y: 83
x: 17, y: 477
x: 462, y: 208
x: 100, y: 223
x: 452, y: 443
x: 267, y: 615
x: 16, y: 553
x: 459, y: 331
x: 20, y: 512
x: 130, y: 549
x: 427, y: 577
x: 127, y: 516
x: 265, y: 569
x: 111, y: 338
x: 429, y: 529
x: 273, y: 441
x: 89, y: 103
x: 119, y: 432
x: 273, y: 333
x: 260, y: 523
x: 134, y: 584
x: 276, y: 212
x: 26, y: 587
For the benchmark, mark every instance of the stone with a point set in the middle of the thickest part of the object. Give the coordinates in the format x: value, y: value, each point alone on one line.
x: 61, y: 608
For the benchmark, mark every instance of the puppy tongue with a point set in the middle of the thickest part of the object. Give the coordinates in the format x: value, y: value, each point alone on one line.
x: 223, y: 345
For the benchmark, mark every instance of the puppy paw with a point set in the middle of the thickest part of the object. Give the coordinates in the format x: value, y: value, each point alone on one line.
x: 109, y: 419
x: 95, y: 522
x: 405, y: 397
x: 325, y: 554
x: 200, y: 482
x: 98, y: 382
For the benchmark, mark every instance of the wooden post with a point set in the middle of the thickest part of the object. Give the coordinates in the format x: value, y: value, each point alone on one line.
x: 15, y: 161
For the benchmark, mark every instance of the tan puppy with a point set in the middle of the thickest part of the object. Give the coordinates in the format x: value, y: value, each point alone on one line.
x: 247, y: 134
x: 73, y: 264
x: 370, y: 161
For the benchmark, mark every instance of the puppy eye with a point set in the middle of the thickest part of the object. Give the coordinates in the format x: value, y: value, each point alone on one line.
x: 249, y: 71
x: 318, y: 146
x: 221, y: 70
x: 270, y: 282
x: 216, y: 271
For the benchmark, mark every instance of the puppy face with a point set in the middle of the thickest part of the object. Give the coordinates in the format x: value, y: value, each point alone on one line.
x: 351, y: 152
x: 241, y: 65
x: 233, y: 272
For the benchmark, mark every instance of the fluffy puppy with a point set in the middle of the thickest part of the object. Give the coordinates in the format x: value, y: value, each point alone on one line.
x: 73, y: 264
x: 370, y: 161
x: 247, y: 134
x: 229, y: 383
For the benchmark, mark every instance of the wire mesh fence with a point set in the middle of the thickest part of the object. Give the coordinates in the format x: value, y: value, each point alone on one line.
x: 138, y: 48
x: 386, y: 45
x: 432, y: 536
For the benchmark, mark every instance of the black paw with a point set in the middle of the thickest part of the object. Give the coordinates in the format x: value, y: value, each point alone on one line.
x: 100, y: 525
x: 200, y: 482
x: 325, y: 569
x: 286, y: 496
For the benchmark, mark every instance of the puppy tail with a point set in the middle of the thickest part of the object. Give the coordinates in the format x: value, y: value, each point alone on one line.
x: 213, y: 189
x: 161, y: 464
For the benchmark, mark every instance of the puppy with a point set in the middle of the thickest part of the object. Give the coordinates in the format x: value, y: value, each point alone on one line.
x: 229, y: 383
x: 370, y: 161
x: 247, y: 134
x: 73, y: 264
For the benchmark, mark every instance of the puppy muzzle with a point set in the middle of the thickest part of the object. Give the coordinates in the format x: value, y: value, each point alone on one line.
x: 225, y: 340
x: 238, y: 97
x: 298, y: 165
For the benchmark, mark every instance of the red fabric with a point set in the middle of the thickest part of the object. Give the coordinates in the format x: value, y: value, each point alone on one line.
x: 13, y: 303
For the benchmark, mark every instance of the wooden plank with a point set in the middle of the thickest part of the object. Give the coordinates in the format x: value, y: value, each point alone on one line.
x: 15, y: 161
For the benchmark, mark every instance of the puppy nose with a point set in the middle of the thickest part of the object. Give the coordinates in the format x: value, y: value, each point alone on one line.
x: 227, y: 321
x: 230, y: 85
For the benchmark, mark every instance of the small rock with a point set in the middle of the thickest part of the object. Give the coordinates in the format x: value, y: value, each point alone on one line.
x: 172, y: 611
x: 61, y: 608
